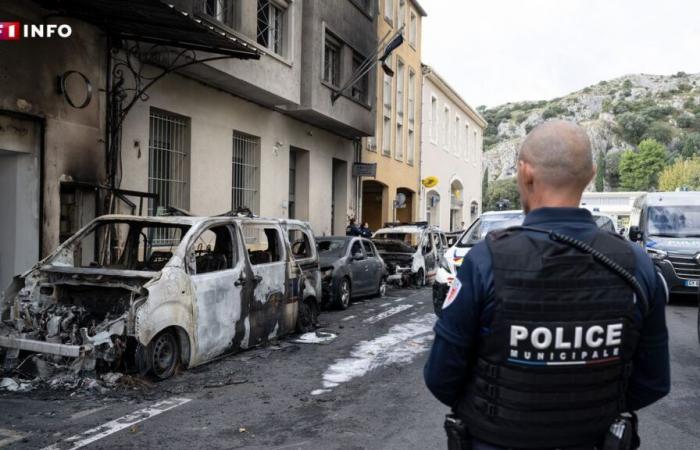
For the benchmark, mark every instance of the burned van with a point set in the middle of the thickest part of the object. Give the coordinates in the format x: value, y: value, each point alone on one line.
x: 151, y: 293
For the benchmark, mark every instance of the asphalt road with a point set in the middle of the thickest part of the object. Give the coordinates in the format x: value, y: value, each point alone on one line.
x: 363, y: 389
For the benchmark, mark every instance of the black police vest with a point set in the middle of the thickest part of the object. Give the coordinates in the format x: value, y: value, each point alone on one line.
x: 552, y: 370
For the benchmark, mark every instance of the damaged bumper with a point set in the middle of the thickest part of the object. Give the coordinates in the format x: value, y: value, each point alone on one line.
x: 50, y: 348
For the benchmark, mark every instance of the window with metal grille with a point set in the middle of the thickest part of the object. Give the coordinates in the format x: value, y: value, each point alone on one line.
x: 168, y: 165
x: 245, y: 187
x: 271, y: 25
x: 359, y: 89
x: 331, y: 60
x: 292, y: 183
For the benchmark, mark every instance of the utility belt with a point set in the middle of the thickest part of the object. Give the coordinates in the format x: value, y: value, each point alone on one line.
x: 622, y: 434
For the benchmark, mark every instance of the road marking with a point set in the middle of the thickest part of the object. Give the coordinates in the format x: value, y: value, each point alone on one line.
x: 388, y: 313
x: 400, y: 299
x: 400, y: 345
x: 385, y: 304
x: 348, y: 318
x: 102, y: 431
x: 87, y: 412
x: 7, y: 437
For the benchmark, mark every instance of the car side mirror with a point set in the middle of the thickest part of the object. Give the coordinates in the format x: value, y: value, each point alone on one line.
x: 636, y: 235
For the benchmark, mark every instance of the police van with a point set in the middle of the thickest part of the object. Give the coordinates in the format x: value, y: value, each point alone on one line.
x: 667, y: 225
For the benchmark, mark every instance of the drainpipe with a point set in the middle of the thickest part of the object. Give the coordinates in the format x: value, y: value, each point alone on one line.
x: 357, y: 144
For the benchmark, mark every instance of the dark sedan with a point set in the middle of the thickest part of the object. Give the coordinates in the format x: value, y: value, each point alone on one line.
x: 350, y: 267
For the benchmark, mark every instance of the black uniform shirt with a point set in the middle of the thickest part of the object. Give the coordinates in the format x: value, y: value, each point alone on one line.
x: 469, y: 316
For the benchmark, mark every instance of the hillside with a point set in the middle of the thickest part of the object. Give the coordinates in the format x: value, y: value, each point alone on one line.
x: 617, y: 114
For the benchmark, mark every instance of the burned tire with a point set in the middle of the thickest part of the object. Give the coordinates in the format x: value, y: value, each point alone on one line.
x: 419, y: 279
x: 163, y: 355
x: 381, y: 289
x: 343, y: 291
x: 307, y: 319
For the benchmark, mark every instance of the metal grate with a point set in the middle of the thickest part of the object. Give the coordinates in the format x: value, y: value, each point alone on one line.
x: 270, y: 26
x: 685, y: 267
x: 246, y: 171
x: 168, y: 166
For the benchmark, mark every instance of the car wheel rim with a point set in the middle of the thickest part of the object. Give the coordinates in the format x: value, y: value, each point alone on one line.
x: 163, y: 354
x: 345, y: 293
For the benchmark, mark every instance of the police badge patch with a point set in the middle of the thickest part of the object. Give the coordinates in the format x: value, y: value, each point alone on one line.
x: 452, y: 293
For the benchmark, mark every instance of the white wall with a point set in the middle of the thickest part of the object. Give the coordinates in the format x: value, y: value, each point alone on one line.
x: 462, y: 162
x: 213, y: 117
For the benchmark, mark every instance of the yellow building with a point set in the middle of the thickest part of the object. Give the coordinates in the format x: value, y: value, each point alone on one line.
x: 393, y: 194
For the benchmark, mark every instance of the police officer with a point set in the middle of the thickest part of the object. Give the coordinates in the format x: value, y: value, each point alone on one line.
x: 540, y: 344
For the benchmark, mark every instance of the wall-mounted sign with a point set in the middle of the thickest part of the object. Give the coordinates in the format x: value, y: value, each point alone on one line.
x: 430, y: 181
x: 364, y: 169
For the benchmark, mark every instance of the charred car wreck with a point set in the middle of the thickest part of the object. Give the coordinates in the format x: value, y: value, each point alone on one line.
x: 150, y: 293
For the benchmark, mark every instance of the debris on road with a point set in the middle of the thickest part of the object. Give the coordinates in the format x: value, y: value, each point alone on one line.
x: 11, y: 385
x: 316, y: 337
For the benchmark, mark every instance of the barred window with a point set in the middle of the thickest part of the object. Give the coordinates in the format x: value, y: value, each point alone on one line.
x: 168, y: 164
x: 271, y: 25
x: 245, y: 186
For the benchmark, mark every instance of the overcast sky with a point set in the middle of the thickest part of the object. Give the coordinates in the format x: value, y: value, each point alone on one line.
x: 496, y: 51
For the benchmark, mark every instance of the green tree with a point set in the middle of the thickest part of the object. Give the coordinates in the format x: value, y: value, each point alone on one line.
x: 600, y: 173
x: 684, y: 174
x: 659, y: 131
x: 690, y: 145
x: 506, y: 189
x: 484, y: 186
x: 639, y: 170
x: 632, y: 126
x: 612, y: 169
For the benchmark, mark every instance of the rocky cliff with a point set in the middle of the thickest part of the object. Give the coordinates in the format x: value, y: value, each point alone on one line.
x: 617, y: 114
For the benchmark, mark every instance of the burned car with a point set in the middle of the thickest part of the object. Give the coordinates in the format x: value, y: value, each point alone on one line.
x: 410, y: 251
x: 351, y: 267
x: 305, y: 254
x: 150, y: 293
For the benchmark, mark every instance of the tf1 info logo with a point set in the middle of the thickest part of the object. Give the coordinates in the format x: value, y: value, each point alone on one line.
x: 13, y: 31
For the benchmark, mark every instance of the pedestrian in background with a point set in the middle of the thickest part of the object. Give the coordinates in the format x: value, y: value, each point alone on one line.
x: 365, y: 230
x: 541, y: 343
x: 352, y: 229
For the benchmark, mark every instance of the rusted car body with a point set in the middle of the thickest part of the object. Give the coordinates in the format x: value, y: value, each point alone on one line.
x: 153, y: 292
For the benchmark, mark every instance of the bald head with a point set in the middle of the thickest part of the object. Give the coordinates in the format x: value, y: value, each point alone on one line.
x: 559, y: 154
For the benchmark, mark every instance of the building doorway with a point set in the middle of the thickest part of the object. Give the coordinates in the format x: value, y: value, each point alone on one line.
x: 456, y: 206
x: 432, y: 208
x: 298, y: 204
x: 339, y: 196
x: 374, y: 195
x: 404, y: 213
x: 20, y: 175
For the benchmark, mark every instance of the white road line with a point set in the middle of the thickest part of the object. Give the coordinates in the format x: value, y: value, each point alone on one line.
x: 347, y: 318
x: 388, y: 313
x: 7, y: 437
x: 385, y: 304
x: 400, y: 299
x: 102, y: 431
x: 87, y: 412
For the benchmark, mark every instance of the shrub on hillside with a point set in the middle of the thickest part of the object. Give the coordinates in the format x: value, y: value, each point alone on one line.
x: 632, y: 126
x: 639, y: 170
x: 683, y: 174
x: 506, y: 189
x: 553, y: 110
x: 660, y: 131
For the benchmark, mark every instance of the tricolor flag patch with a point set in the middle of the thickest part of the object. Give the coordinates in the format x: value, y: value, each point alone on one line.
x: 452, y: 293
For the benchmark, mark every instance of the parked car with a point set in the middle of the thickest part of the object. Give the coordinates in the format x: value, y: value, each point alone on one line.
x: 351, y: 267
x: 411, y: 252
x: 305, y: 253
x: 488, y: 221
x: 667, y: 226
x: 152, y: 293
